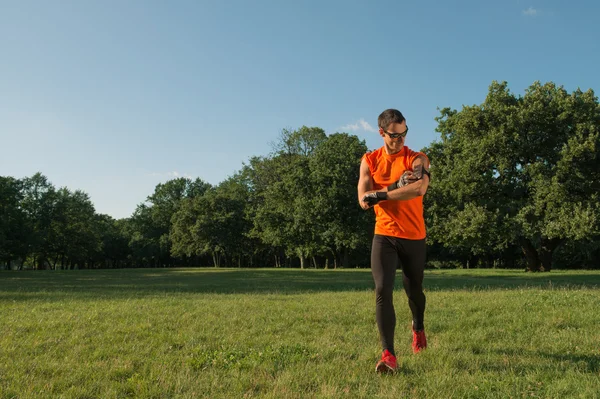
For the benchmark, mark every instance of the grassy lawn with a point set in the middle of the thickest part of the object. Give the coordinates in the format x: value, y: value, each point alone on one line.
x: 227, y: 333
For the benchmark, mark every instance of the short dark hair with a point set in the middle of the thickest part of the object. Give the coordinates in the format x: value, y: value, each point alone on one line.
x: 388, y: 117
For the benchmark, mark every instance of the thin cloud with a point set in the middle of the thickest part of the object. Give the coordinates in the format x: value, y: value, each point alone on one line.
x: 530, y: 12
x: 172, y: 175
x: 361, y: 124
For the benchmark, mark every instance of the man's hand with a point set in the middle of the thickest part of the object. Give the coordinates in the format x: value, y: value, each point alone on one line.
x: 373, y: 198
x: 407, y: 178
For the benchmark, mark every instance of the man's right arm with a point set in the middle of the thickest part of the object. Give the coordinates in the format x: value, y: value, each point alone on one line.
x: 365, y: 183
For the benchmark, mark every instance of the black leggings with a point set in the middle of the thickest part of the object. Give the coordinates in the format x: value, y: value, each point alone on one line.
x: 386, y: 253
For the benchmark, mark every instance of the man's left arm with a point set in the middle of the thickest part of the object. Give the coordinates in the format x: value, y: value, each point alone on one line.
x: 415, y: 183
x: 419, y: 182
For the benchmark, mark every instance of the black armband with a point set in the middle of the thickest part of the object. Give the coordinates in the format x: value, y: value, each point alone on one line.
x: 420, y: 170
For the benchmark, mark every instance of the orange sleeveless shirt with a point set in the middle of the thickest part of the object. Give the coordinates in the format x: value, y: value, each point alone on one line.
x: 402, y: 219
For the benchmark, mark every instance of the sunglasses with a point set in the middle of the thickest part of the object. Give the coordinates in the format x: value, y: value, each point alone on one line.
x: 397, y: 135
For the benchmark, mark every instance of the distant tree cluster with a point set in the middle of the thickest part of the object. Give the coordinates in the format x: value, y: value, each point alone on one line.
x: 296, y: 206
x: 515, y: 183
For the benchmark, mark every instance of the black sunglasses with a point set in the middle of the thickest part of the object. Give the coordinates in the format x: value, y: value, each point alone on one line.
x: 397, y: 135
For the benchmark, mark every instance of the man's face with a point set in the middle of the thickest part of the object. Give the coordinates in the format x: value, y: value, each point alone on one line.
x: 397, y: 130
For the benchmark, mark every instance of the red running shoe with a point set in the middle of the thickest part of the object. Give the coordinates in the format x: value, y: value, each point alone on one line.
x: 387, y: 364
x: 419, y: 341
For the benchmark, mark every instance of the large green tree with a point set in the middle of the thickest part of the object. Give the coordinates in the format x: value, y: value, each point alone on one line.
x: 341, y: 224
x: 214, y: 224
x: 13, y: 226
x: 144, y: 238
x: 114, y: 243
x: 74, y: 238
x: 284, y: 193
x: 152, y: 237
x: 517, y: 169
x: 38, y: 203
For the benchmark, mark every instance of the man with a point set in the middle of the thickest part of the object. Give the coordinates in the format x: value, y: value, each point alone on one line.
x: 393, y: 180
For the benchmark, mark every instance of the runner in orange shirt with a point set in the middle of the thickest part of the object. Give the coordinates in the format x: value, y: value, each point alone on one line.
x: 393, y: 180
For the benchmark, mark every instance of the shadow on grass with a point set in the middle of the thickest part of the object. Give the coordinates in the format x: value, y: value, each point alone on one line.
x: 135, y: 282
x: 557, y: 361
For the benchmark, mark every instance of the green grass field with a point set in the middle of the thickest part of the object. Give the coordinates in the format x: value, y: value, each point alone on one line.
x: 226, y: 333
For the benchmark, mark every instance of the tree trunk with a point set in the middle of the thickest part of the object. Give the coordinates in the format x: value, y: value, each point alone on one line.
x: 301, y: 261
x: 314, y: 262
x: 345, y: 261
x: 472, y: 261
x: 39, y: 264
x: 546, y: 250
x: 533, y: 260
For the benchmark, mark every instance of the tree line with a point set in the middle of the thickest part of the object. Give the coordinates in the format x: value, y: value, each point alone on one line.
x: 515, y: 182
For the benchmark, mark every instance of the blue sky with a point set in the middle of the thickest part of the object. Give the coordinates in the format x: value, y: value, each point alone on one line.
x: 114, y: 97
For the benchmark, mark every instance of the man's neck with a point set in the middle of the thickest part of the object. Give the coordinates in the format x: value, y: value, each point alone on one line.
x: 392, y: 151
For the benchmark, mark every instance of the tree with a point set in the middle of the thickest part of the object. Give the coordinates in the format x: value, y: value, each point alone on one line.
x: 342, y: 225
x: 73, y: 238
x: 39, y: 199
x: 284, y: 192
x: 214, y: 223
x: 114, y: 248
x: 13, y: 228
x: 259, y: 174
x: 520, y: 170
x: 303, y: 141
x: 156, y: 217
x: 144, y: 237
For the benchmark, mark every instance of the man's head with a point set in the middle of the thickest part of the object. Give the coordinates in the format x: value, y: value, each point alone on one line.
x: 393, y: 129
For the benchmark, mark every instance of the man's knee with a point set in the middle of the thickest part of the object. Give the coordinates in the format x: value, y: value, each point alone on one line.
x: 415, y: 292
x: 384, y: 292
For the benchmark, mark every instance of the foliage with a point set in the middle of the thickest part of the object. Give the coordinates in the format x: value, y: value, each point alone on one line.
x: 515, y: 183
x: 517, y: 170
